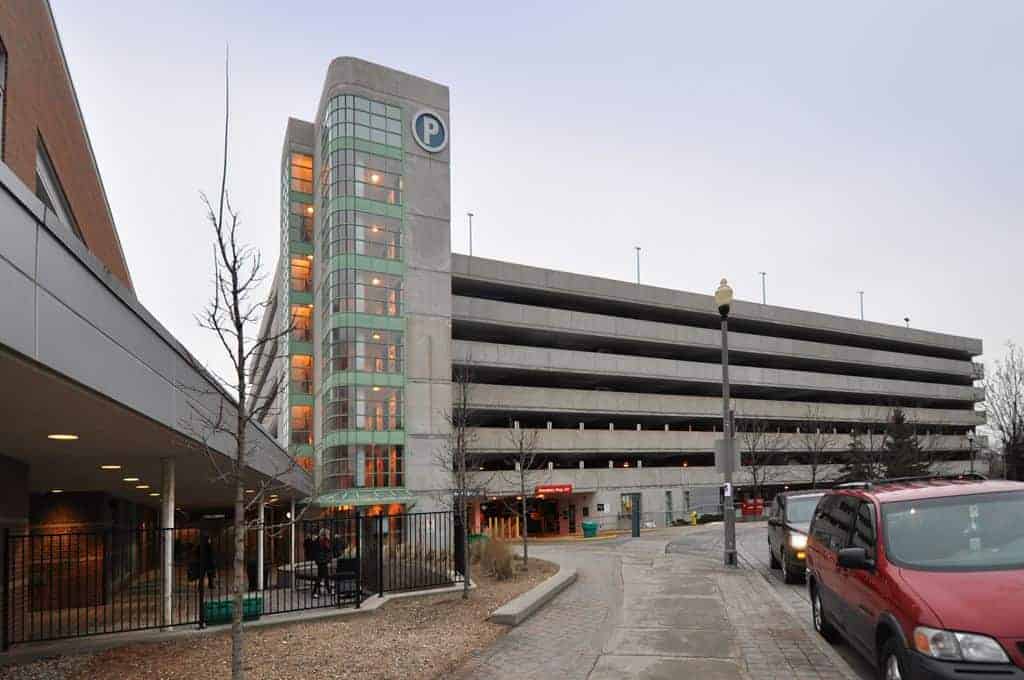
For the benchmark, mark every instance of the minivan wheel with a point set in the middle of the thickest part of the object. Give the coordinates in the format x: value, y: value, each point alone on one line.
x: 893, y: 665
x: 821, y: 623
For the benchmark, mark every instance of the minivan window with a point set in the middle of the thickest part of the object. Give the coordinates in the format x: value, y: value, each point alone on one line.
x: 834, y: 520
x: 864, y: 529
x: 956, y: 533
x: 800, y: 509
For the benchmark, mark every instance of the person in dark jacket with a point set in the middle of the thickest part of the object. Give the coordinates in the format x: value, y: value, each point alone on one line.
x: 307, y: 547
x: 322, y: 557
x: 207, y: 561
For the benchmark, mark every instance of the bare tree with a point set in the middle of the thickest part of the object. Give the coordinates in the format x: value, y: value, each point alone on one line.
x: 1004, y: 402
x: 523, y: 460
x: 760, y: 444
x: 458, y: 458
x: 228, y: 414
x: 816, y: 439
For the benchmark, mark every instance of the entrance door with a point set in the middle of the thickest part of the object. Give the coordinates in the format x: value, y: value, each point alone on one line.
x: 668, y: 508
x: 572, y: 518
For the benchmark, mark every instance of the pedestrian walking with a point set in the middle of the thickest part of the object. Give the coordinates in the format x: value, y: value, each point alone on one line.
x: 322, y: 557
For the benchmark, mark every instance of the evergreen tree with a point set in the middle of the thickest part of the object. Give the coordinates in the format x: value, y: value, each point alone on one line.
x: 903, y: 456
x: 861, y: 463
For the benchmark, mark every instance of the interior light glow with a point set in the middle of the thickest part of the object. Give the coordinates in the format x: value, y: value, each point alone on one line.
x: 62, y: 437
x: 130, y: 479
x: 110, y: 467
x: 56, y: 490
x: 142, y: 486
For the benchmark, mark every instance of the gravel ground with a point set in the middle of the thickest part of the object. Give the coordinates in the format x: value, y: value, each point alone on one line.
x: 417, y: 638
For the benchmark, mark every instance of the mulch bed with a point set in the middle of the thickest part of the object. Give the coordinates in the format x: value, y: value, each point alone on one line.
x: 415, y: 638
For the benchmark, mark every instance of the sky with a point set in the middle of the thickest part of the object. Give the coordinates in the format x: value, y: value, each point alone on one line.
x: 838, y: 147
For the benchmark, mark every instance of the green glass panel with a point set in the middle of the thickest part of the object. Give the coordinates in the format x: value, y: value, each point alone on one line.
x: 345, y: 319
x: 373, y: 264
x: 345, y: 378
x: 391, y: 438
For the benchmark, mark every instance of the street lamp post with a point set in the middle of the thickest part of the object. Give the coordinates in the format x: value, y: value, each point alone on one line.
x: 723, y: 300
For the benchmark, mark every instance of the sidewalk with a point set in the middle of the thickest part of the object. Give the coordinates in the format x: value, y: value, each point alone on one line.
x: 641, y: 611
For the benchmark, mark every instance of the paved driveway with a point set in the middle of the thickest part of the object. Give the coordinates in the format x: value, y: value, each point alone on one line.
x: 640, y: 611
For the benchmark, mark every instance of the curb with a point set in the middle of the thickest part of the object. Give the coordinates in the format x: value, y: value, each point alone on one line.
x: 840, y: 663
x: 516, y: 611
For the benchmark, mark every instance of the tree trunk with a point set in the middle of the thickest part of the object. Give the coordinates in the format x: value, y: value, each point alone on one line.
x: 237, y: 586
x: 522, y: 492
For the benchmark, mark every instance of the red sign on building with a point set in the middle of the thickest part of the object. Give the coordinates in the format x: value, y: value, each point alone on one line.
x: 553, y: 489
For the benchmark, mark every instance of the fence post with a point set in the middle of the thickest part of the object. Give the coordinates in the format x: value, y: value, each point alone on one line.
x: 5, y: 643
x: 359, y: 559
x: 202, y: 579
x: 380, y: 554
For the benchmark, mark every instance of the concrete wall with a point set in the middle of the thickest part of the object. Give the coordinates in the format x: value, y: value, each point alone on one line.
x: 64, y: 310
x: 550, y: 400
x: 552, y: 281
x: 511, y: 315
x: 541, y: 359
x: 627, y: 442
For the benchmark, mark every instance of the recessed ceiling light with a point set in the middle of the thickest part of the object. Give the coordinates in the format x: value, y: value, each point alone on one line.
x: 155, y: 494
x: 250, y: 490
x: 110, y: 467
x: 142, y: 486
x: 56, y: 490
x: 130, y: 479
x: 63, y: 437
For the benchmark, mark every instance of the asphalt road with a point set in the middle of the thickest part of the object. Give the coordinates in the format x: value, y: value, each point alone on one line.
x: 752, y: 543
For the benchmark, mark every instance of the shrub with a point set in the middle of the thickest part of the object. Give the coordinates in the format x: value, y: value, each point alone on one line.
x: 497, y: 559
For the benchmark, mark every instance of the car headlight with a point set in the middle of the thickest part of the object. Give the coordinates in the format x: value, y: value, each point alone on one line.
x: 798, y: 541
x: 951, y: 646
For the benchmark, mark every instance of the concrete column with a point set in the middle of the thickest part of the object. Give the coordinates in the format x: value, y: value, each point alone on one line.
x: 639, y: 463
x: 551, y: 466
x: 260, y: 520
x: 581, y: 427
x: 167, y: 526
x: 581, y: 464
x: 638, y: 427
x: 549, y: 427
x: 611, y: 426
x: 666, y: 427
x: 291, y: 542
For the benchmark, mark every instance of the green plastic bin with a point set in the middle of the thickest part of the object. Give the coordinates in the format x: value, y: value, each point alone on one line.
x: 216, y: 612
x: 590, y: 529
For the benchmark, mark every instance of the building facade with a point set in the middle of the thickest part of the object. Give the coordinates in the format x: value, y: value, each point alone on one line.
x: 618, y: 385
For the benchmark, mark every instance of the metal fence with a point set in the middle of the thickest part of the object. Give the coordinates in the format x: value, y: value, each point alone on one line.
x: 75, y: 584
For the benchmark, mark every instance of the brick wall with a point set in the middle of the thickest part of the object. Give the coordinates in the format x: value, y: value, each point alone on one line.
x: 39, y: 100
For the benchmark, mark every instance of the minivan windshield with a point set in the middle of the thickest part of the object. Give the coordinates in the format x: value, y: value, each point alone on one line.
x: 800, y: 509
x: 956, y: 533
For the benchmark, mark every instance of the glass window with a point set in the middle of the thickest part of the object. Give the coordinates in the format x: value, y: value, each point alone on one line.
x: 348, y: 231
x: 362, y: 349
x: 302, y: 425
x: 302, y: 323
x: 380, y: 466
x: 300, y: 221
x: 50, y: 191
x: 371, y: 409
x: 977, y: 532
x: 864, y: 529
x: 302, y: 374
x: 302, y: 173
x: 800, y: 509
x: 301, y: 274
x: 833, y: 521
x: 354, y: 290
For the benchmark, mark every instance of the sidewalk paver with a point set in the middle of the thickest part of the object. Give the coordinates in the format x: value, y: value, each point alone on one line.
x: 637, y: 611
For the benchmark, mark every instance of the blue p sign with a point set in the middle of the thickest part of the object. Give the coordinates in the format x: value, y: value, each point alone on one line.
x: 429, y: 131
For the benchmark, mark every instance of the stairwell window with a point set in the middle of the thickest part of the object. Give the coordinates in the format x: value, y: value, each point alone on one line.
x: 50, y: 192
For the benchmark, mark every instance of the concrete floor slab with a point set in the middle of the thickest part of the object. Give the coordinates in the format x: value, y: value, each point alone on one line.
x: 658, y: 668
x: 672, y: 642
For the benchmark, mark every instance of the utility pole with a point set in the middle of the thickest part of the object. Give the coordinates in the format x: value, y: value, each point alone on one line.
x: 861, y: 294
x: 637, y: 248
x: 764, y: 295
x: 470, y: 215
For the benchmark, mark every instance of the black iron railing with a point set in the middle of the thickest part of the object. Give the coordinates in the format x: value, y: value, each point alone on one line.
x: 72, y: 584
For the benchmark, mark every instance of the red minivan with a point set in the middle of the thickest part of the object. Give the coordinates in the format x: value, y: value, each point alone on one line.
x: 925, y: 577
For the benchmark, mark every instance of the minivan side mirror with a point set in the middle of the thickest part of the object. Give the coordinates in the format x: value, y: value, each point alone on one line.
x: 855, y: 558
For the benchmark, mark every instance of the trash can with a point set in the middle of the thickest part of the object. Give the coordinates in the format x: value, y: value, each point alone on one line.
x: 590, y: 529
